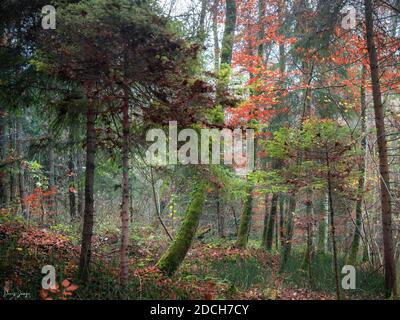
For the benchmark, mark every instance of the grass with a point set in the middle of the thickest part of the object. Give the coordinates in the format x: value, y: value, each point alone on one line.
x: 369, y: 282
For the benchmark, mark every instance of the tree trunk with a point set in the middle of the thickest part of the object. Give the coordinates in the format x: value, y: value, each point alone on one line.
x: 245, y: 219
x: 261, y: 33
x: 229, y: 32
x: 21, y: 171
x: 309, y: 250
x: 389, y: 265
x: 71, y: 189
x: 215, y: 35
x: 80, y: 184
x: 220, y: 217
x: 4, y: 172
x: 269, y: 227
x: 51, y: 175
x: 175, y: 254
x: 322, y: 225
x: 333, y: 229
x: 86, y: 248
x: 361, y: 180
x: 201, y: 33
x: 13, y: 146
x: 287, y: 246
x: 124, y: 267
x: 282, y: 219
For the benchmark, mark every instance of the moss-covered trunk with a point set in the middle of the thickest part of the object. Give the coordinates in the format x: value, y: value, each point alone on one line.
x: 245, y: 219
x: 175, y: 254
x: 229, y: 32
x: 269, y: 226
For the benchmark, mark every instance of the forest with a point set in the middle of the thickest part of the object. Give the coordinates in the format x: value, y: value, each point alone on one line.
x: 199, y: 149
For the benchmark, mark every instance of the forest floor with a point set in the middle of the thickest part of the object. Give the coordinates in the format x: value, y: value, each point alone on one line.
x: 211, y: 270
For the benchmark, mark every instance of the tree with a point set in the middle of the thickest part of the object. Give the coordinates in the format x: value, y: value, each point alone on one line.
x: 175, y: 254
x: 389, y: 265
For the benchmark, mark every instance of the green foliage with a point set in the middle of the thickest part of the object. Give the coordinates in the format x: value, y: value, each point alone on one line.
x: 369, y: 282
x: 242, y: 273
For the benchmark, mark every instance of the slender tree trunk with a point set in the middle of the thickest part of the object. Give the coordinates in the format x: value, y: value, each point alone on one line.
x: 333, y: 228
x: 13, y: 144
x: 87, y: 233
x: 71, y: 189
x: 175, y: 254
x: 215, y: 36
x: 282, y: 218
x: 245, y: 219
x: 51, y: 175
x: 322, y: 225
x: 220, y: 218
x: 268, y: 233
x: 389, y: 264
x: 81, y: 188
x: 21, y: 171
x: 309, y: 249
x: 4, y: 172
x: 124, y: 266
x: 201, y: 34
x: 361, y: 180
x: 287, y: 246
x: 229, y: 32
x: 156, y: 205
x: 261, y: 33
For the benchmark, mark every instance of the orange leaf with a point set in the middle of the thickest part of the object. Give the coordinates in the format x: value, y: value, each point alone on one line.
x: 72, y: 287
x: 54, y: 288
x: 65, y: 283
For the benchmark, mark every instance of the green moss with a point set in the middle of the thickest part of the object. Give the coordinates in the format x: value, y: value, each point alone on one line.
x: 245, y: 219
x: 175, y: 254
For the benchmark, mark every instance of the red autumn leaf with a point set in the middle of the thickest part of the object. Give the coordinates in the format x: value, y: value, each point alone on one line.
x: 66, y: 283
x: 72, y: 287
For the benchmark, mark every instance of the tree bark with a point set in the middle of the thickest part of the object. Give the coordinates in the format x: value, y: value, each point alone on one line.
x: 229, y: 32
x: 322, y: 229
x: 220, y: 217
x: 215, y: 36
x: 21, y: 171
x: 270, y: 223
x: 175, y: 254
x: 71, y: 189
x: 51, y: 176
x: 201, y: 33
x: 80, y: 185
x: 333, y: 228
x: 282, y: 218
x: 124, y: 267
x: 87, y: 233
x: 389, y: 264
x: 361, y: 180
x: 13, y: 143
x: 287, y: 246
x: 4, y: 172
x: 245, y: 219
